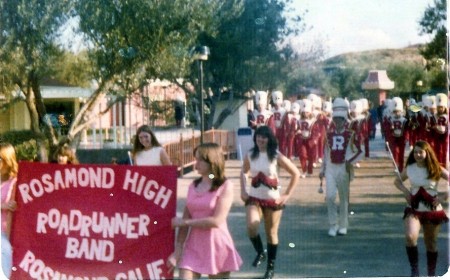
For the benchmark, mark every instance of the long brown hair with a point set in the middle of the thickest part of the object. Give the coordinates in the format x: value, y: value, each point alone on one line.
x: 66, y: 150
x: 272, y: 144
x: 213, y: 155
x: 431, y: 161
x: 137, y: 146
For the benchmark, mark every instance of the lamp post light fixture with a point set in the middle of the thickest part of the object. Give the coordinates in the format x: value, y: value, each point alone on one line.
x: 201, y: 54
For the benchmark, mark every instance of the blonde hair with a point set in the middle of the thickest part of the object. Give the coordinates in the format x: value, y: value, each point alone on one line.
x: 8, y: 156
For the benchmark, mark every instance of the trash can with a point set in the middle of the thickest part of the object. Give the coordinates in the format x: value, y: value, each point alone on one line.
x: 244, y: 141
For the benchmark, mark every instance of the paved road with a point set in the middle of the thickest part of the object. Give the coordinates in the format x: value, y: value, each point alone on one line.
x: 373, y: 247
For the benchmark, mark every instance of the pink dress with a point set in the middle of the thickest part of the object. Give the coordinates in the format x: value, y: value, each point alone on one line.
x: 6, y: 188
x: 208, y: 250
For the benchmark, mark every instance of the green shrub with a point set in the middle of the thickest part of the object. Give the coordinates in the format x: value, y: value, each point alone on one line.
x: 24, y: 141
x: 27, y: 150
x: 16, y: 137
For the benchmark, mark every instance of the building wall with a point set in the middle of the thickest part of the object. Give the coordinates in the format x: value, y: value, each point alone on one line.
x: 4, y: 121
x: 15, y: 118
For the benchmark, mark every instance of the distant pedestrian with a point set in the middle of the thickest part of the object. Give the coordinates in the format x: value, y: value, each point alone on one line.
x: 204, y: 244
x: 373, y: 121
x: 8, y: 172
x: 179, y: 115
x: 424, y: 207
x: 342, y: 150
x: 263, y: 199
x: 380, y: 113
x: 147, y: 150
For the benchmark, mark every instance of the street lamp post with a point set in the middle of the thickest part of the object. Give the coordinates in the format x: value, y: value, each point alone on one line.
x: 201, y: 54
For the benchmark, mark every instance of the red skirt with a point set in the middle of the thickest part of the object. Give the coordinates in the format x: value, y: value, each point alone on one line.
x: 432, y: 216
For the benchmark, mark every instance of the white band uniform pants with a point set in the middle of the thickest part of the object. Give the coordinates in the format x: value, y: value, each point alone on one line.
x: 337, y: 182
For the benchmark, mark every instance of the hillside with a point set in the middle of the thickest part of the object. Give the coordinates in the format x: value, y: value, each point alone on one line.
x: 377, y: 59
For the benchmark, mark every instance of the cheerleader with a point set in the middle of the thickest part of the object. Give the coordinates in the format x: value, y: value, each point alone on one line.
x: 423, y: 204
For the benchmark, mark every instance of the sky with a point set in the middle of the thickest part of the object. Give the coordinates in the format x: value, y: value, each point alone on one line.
x: 357, y: 25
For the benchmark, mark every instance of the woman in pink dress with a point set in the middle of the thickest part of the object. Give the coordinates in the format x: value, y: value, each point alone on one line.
x: 8, y: 172
x: 204, y: 244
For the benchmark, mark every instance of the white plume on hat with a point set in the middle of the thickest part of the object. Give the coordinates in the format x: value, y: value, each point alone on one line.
x: 426, y: 101
x: 300, y: 103
x: 397, y: 104
x: 316, y: 101
x: 389, y: 104
x: 365, y: 104
x: 356, y: 106
x: 340, y: 108
x: 327, y: 106
x: 432, y: 100
x: 277, y: 97
x: 307, y: 106
x: 286, y: 105
x: 442, y: 100
x: 295, y: 107
x: 261, y: 98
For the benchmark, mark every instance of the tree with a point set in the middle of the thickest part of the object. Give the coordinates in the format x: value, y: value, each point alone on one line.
x: 132, y: 42
x: 129, y: 43
x: 248, y: 52
x: 434, y: 21
x: 29, y: 32
x: 405, y: 76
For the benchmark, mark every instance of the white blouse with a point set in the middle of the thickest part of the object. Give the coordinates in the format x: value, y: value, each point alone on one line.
x: 262, y: 164
x: 418, y: 177
x: 148, y: 157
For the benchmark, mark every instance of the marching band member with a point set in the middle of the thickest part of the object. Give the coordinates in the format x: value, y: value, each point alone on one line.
x: 439, y: 128
x: 316, y: 102
x: 324, y: 123
x: 387, y: 112
x: 413, y: 122
x: 398, y: 132
x: 357, y: 122
x: 275, y: 120
x: 365, y: 126
x: 341, y: 152
x: 261, y: 114
x: 430, y: 109
x: 291, y: 126
x: 308, y: 134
